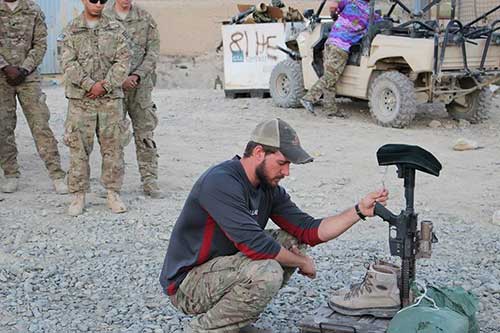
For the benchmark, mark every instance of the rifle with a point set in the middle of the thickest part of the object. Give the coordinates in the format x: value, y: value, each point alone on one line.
x: 405, y: 240
x: 237, y: 19
x: 315, y: 16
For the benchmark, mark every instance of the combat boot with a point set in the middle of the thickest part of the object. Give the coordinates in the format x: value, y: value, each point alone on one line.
x: 60, y: 186
x: 308, y: 105
x: 9, y: 185
x: 115, y: 203
x: 152, y: 190
x: 377, y: 295
x: 77, y: 204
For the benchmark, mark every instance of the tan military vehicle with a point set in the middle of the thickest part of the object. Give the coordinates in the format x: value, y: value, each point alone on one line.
x: 400, y: 65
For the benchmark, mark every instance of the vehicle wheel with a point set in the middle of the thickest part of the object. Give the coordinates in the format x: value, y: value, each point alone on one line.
x: 477, y: 106
x: 392, y: 100
x: 286, y: 84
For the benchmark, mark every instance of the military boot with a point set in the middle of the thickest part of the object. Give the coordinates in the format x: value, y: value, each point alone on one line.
x: 9, y: 185
x: 387, y: 265
x: 77, y: 204
x: 308, y: 105
x: 60, y: 186
x: 377, y: 295
x: 151, y: 189
x: 115, y: 203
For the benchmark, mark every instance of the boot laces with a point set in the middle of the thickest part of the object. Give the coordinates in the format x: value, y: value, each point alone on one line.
x: 359, y: 288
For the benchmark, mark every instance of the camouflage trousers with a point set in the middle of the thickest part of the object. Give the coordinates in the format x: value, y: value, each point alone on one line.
x: 230, y: 292
x: 37, y: 115
x: 105, y: 118
x: 142, y: 111
x: 334, y: 62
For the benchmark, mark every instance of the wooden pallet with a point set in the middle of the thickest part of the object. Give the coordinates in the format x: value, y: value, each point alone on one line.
x: 247, y: 93
x: 326, y: 320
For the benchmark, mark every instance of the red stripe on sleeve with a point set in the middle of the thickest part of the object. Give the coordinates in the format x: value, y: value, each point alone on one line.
x: 252, y: 254
x: 308, y: 236
x: 208, y: 235
x: 171, y: 289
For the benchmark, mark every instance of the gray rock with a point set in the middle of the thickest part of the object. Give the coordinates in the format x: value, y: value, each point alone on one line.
x: 463, y: 144
x: 462, y: 123
x: 435, y: 124
x: 83, y: 327
x: 290, y: 290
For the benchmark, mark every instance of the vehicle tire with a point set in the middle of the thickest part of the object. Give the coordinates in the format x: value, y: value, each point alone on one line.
x: 477, y: 109
x: 392, y: 100
x: 286, y: 84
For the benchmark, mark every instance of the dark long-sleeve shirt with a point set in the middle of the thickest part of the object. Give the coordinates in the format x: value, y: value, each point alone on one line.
x: 225, y: 214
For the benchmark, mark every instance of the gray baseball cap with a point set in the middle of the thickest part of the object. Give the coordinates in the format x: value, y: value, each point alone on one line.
x: 279, y: 134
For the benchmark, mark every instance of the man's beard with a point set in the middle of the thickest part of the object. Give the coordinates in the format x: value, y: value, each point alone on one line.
x: 264, y: 180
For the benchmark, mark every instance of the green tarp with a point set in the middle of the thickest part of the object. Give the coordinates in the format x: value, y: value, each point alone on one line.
x: 454, y: 311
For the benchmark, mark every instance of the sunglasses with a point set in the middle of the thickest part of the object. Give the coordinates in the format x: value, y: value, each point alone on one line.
x: 103, y: 2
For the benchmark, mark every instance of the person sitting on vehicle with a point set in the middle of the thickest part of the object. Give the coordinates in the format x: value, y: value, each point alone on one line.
x: 221, y: 263
x: 349, y: 28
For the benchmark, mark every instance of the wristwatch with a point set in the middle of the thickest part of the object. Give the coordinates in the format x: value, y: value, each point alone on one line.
x: 358, y: 211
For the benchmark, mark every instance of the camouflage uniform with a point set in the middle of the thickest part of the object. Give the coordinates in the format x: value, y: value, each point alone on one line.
x: 334, y: 62
x: 236, y: 289
x: 88, y: 56
x: 23, y: 42
x: 144, y: 43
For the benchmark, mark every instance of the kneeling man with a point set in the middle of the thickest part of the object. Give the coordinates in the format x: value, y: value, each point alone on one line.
x: 221, y: 263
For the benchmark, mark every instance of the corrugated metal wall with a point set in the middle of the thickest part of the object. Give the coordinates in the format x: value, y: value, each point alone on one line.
x: 58, y: 14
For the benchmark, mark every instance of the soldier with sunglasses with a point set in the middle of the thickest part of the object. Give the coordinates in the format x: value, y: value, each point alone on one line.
x: 96, y: 61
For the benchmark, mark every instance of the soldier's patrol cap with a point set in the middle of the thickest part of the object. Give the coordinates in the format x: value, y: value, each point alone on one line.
x: 279, y: 134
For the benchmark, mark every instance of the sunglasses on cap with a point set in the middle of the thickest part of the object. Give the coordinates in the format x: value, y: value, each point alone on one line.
x: 103, y: 2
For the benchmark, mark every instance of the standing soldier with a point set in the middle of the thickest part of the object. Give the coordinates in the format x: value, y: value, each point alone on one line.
x: 23, y: 42
x: 96, y: 60
x: 145, y: 47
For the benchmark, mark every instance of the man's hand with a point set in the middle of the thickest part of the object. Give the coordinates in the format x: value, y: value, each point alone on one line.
x: 367, y: 204
x: 12, y: 72
x: 15, y: 75
x: 307, y: 268
x: 131, y: 82
x: 96, y: 91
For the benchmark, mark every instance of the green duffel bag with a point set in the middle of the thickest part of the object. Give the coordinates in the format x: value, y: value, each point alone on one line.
x: 438, y: 310
x: 423, y: 319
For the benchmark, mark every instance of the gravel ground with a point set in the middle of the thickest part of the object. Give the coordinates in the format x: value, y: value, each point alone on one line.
x: 99, y: 272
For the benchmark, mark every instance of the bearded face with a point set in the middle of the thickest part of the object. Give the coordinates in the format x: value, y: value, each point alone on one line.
x: 267, y: 175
